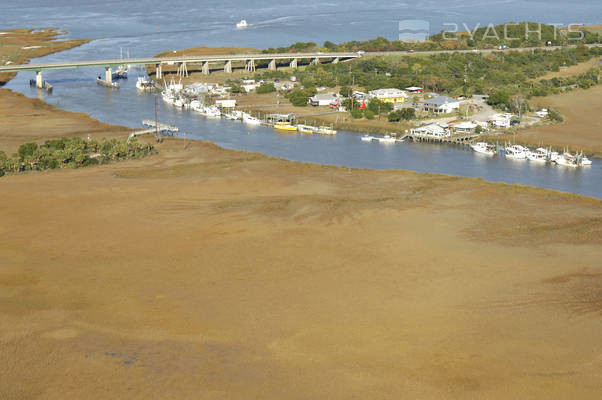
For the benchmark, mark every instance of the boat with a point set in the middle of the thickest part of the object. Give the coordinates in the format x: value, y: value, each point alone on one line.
x: 567, y: 160
x: 516, y: 152
x: 367, y: 138
x: 242, y: 24
x: 247, y: 119
x: 120, y: 73
x: 212, y: 112
x: 145, y: 83
x: 306, y: 129
x: 285, y: 127
x: 539, y: 155
x: 483, y: 148
x: 585, y: 161
x: 326, y: 130
x: 387, y: 139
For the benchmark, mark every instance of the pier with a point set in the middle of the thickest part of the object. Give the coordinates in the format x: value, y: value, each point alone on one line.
x: 453, y: 139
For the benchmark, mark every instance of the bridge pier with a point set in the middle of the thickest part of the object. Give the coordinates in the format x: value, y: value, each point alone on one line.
x: 108, y: 75
x: 39, y: 80
x: 335, y: 60
x: 272, y: 65
x: 182, y: 70
x: 293, y: 63
x: 228, y: 67
x: 205, y: 67
x: 158, y: 72
x: 250, y: 66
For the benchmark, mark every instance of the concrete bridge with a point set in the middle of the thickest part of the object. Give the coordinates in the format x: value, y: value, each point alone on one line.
x: 226, y: 61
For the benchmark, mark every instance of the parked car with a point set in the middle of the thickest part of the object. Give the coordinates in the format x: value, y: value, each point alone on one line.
x: 410, y: 51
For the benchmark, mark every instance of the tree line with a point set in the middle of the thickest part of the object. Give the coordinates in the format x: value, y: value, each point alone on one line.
x: 71, y: 153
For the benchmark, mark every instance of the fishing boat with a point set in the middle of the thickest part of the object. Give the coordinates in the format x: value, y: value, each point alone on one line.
x: 516, y: 152
x: 120, y: 73
x: 386, y: 139
x: 539, y: 155
x: 585, y: 161
x: 145, y: 84
x: 285, y: 128
x: 248, y: 119
x: 567, y: 160
x: 306, y: 129
x: 326, y: 130
x: 483, y: 148
x: 212, y: 112
x: 242, y: 24
x: 367, y: 138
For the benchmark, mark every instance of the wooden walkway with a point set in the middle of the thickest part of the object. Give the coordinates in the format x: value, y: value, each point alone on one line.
x: 453, y: 139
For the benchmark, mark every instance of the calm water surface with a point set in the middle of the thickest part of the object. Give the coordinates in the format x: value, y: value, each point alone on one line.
x: 147, y: 27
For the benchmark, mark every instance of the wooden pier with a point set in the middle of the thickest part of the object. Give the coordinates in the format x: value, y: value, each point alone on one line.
x: 453, y: 139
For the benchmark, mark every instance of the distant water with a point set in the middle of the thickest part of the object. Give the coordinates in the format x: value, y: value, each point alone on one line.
x: 147, y: 27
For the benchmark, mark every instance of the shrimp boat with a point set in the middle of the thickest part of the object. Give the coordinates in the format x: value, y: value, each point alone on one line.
x: 567, y: 160
x: 539, y: 155
x: 145, y: 84
x: 247, y: 119
x: 326, y: 130
x: 306, y: 129
x: 101, y: 82
x: 516, y: 152
x: 288, y: 128
x: 242, y: 24
x: 212, y: 112
x: 387, y: 139
x: 483, y: 148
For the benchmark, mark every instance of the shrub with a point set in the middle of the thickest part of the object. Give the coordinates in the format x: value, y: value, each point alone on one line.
x: 27, y: 149
x: 266, y: 87
x: 369, y: 114
x: 357, y: 113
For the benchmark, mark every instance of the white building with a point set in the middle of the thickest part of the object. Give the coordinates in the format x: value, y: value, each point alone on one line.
x: 501, y: 121
x: 324, y: 99
x: 465, y: 127
x: 542, y: 113
x: 432, y: 130
x: 441, y: 105
x: 226, y: 103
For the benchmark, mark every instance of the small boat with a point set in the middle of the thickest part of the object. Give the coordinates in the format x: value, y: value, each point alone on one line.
x: 585, y: 161
x: 145, y: 83
x: 120, y: 73
x: 242, y: 24
x: 483, y: 148
x: 247, y: 119
x: 387, y: 139
x: 326, y: 130
x: 516, y: 152
x: 367, y: 138
x: 285, y: 127
x: 306, y: 129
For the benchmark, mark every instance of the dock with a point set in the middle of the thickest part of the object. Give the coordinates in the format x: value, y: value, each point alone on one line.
x: 149, y: 123
x: 453, y: 139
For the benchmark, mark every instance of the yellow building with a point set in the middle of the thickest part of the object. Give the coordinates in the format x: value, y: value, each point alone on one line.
x: 389, y: 95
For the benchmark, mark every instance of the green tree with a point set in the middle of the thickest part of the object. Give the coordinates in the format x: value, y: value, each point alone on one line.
x: 26, y: 150
x: 369, y: 114
x: 407, y: 113
x: 266, y: 87
x: 346, y: 91
x: 357, y: 113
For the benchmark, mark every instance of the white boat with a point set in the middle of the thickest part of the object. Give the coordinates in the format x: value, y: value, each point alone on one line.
x: 386, y: 139
x: 248, y: 119
x: 567, y: 160
x: 539, y: 155
x: 242, y: 24
x: 516, y: 152
x: 585, y: 160
x: 325, y: 130
x: 212, y: 112
x: 195, y: 105
x: 145, y: 83
x: 483, y: 148
x: 367, y: 138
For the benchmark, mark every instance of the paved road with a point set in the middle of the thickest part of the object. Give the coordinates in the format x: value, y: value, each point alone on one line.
x: 483, y: 51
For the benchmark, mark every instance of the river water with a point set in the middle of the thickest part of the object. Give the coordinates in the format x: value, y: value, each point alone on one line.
x: 147, y: 27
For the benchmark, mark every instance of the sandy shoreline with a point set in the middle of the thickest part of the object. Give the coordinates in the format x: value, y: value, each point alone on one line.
x: 201, y: 272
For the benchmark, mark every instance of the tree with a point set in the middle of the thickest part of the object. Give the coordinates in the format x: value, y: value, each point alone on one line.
x: 369, y: 114
x: 478, y: 129
x: 357, y: 113
x: 266, y: 87
x: 346, y: 91
x: 499, y: 99
x: 407, y: 113
x: 26, y: 150
x: 394, y: 116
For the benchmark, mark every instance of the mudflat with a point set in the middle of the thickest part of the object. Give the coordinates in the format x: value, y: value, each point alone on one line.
x: 206, y: 273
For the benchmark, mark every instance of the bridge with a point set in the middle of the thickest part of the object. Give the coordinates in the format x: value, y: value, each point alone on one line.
x: 249, y: 61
